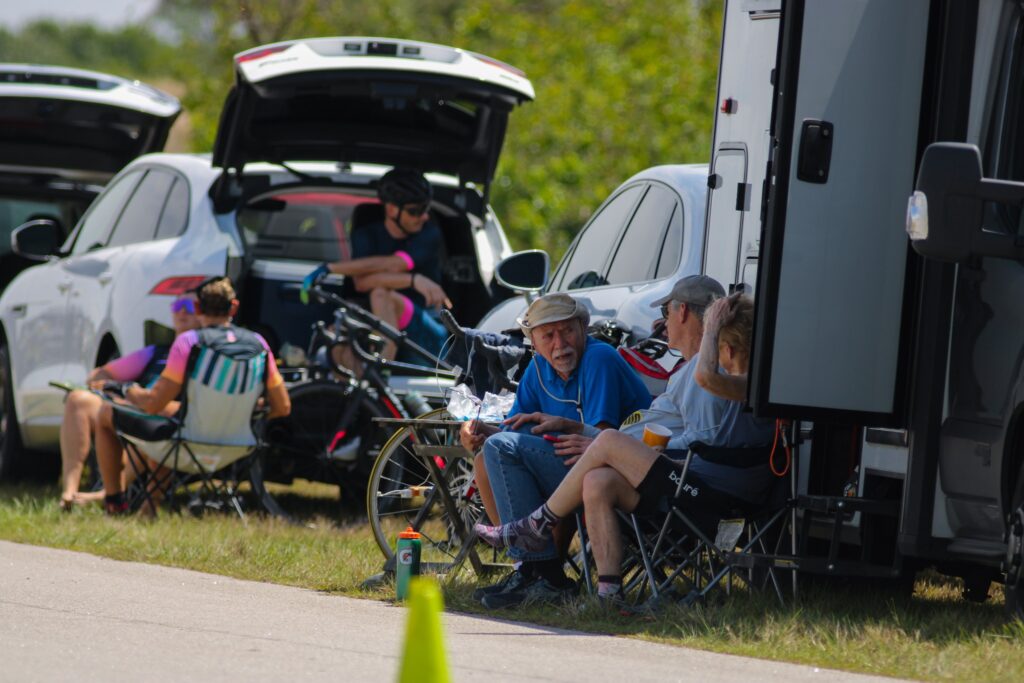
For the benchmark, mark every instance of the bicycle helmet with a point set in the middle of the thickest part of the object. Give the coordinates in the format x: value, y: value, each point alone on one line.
x: 403, y: 186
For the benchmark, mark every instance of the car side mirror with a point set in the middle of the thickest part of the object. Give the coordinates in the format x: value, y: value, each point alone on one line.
x: 944, y: 215
x: 524, y: 271
x: 37, y: 240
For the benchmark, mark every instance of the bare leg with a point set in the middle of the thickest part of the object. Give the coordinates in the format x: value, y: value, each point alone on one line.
x: 604, y: 491
x: 80, y: 413
x: 108, y: 451
x: 483, y: 485
x: 387, y: 305
x: 627, y: 456
x: 112, y: 459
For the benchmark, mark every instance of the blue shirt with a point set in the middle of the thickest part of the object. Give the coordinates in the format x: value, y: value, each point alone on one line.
x: 423, y: 247
x: 604, y: 384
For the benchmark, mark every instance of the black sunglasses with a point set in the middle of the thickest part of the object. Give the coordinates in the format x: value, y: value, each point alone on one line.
x: 416, y: 209
x: 665, y: 310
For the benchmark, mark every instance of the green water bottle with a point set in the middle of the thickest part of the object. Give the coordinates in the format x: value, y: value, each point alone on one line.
x: 407, y: 560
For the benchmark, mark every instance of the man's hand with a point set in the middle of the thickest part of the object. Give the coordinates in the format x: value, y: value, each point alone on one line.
x: 310, y: 280
x: 472, y: 435
x: 571, y: 447
x: 431, y: 291
x: 545, y: 423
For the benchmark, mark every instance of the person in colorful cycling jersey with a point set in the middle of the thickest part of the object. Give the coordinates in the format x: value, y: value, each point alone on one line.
x: 82, y: 406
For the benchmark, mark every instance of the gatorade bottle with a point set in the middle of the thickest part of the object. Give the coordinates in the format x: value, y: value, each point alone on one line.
x: 407, y: 560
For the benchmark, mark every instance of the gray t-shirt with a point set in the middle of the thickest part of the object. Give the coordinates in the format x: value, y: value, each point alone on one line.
x: 695, y: 415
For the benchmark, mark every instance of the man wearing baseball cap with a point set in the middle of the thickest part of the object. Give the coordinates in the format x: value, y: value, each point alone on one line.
x: 690, y: 413
x: 571, y: 380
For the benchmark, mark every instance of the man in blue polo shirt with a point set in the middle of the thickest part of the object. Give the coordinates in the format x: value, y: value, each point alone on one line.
x: 571, y: 376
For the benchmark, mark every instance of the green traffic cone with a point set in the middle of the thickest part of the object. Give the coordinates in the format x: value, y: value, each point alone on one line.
x: 423, y: 658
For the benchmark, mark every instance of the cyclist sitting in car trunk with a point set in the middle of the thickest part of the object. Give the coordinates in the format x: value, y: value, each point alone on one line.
x: 395, y: 263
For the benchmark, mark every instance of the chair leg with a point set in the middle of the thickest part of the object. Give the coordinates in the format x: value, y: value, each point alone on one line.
x: 584, y: 553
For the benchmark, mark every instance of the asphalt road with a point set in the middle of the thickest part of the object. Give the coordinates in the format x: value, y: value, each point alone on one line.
x: 67, y: 616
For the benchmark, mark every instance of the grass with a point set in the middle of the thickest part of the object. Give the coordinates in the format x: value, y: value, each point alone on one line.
x: 933, y: 635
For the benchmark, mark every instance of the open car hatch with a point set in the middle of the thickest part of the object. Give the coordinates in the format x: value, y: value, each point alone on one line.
x: 368, y: 100
x: 81, y: 125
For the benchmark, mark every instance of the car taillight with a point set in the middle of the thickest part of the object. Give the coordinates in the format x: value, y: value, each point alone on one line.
x: 261, y: 52
x: 180, y: 284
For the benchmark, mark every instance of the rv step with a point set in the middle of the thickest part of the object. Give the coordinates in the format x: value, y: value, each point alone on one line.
x: 831, y: 505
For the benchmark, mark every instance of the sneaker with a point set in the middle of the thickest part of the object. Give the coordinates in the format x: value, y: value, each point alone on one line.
x: 536, y: 590
x: 519, y: 534
x: 514, y: 580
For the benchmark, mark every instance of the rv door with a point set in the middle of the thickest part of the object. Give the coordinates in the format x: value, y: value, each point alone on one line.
x: 830, y: 295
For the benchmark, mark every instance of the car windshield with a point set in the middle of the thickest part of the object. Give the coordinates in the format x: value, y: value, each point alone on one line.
x: 303, y: 226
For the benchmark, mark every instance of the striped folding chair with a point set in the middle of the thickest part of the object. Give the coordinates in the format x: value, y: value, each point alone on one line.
x: 202, y: 452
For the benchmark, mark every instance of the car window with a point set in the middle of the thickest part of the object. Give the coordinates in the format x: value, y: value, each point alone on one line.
x: 1005, y: 142
x: 637, y: 255
x: 16, y: 210
x: 584, y: 266
x: 98, y: 222
x: 139, y: 218
x: 672, y: 247
x: 174, y: 217
x: 306, y: 226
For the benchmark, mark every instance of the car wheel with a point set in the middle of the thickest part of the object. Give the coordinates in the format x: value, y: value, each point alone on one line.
x: 11, y: 451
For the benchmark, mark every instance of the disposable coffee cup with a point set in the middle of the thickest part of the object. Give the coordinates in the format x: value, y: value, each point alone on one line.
x: 656, y: 436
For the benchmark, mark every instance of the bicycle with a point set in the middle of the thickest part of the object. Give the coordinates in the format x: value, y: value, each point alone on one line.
x: 423, y: 478
x: 332, y: 437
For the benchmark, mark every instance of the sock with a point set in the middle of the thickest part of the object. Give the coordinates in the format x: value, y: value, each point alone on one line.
x: 531, y: 533
x: 609, y: 585
x: 542, y: 520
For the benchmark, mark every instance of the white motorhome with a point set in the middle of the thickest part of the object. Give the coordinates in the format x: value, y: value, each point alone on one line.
x: 903, y: 367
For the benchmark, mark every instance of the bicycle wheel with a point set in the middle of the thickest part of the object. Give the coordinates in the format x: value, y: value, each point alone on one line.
x: 400, y: 494
x: 315, y: 465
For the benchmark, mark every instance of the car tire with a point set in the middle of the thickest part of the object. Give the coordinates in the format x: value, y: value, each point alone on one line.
x: 12, y: 454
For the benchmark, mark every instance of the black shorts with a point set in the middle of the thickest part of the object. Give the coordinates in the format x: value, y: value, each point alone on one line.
x: 659, y: 487
x: 134, y: 422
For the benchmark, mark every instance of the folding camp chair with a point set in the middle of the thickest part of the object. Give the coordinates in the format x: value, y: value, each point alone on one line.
x: 202, y: 452
x: 698, y: 550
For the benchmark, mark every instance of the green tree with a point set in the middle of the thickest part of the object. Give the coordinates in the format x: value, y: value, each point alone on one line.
x: 621, y: 84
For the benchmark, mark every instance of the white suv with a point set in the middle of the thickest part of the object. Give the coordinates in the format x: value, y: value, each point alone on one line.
x: 644, y: 237
x: 306, y: 131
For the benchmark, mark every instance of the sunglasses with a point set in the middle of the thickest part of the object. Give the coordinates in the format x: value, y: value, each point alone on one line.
x: 187, y: 305
x: 416, y: 209
x: 665, y: 310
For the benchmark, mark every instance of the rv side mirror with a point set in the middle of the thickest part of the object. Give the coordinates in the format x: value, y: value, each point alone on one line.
x: 37, y: 240
x: 524, y: 271
x: 944, y: 216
